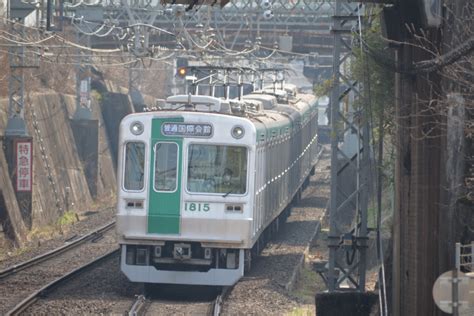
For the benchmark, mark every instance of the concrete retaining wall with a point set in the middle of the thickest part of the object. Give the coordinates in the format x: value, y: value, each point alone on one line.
x: 53, y: 114
x: 10, y: 216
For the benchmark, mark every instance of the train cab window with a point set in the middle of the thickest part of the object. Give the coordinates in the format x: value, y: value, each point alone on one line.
x: 217, y: 169
x: 134, y: 166
x: 166, y: 166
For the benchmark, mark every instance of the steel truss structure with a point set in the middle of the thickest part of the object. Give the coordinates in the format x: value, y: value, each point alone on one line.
x: 83, y: 79
x: 16, y: 86
x: 154, y: 23
x: 18, y: 62
x: 343, y: 242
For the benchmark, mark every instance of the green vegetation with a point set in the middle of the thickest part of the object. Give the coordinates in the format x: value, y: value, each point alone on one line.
x: 57, y: 228
x: 309, y: 283
x: 370, y: 67
x: 324, y: 88
x: 67, y: 218
x: 307, y: 286
x: 96, y: 95
x: 378, y: 80
x: 302, y: 311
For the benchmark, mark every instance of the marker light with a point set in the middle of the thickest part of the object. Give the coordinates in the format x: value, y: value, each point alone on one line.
x: 136, y: 128
x: 238, y: 132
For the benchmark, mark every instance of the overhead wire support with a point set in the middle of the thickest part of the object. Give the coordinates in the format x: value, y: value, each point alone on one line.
x: 123, y: 18
x: 16, y: 86
x: 16, y: 141
x: 83, y: 79
x: 16, y: 54
x: 349, y: 170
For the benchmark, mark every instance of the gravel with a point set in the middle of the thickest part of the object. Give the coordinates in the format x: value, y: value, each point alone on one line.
x: 89, y: 222
x: 105, y: 290
x: 180, y: 308
x: 264, y: 291
x: 101, y: 290
x: 16, y: 287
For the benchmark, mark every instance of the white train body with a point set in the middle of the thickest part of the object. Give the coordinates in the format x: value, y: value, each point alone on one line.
x: 200, y: 181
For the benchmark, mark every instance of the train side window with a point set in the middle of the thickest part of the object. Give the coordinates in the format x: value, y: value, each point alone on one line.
x: 166, y: 166
x: 134, y: 170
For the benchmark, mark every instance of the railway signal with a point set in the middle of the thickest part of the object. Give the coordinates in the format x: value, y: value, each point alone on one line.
x: 181, y: 67
x: 181, y: 72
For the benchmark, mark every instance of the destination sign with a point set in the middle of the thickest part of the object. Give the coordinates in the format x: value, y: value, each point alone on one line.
x: 187, y: 129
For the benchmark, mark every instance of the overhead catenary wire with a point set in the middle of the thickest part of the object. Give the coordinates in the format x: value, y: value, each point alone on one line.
x: 211, y: 47
x: 94, y: 33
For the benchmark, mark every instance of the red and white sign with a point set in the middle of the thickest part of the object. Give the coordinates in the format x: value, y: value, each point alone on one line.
x: 24, y: 166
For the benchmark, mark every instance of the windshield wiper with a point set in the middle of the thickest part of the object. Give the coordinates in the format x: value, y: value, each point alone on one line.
x: 227, y: 193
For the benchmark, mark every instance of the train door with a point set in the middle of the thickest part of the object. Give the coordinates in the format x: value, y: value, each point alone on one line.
x: 164, y: 200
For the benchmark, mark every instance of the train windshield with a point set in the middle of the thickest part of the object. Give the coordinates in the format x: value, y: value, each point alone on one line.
x: 217, y: 169
x: 134, y: 166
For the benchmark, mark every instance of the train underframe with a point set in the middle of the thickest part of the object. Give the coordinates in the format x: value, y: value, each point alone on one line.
x: 211, y: 266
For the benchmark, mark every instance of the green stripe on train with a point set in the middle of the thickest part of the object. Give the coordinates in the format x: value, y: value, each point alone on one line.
x: 164, y: 207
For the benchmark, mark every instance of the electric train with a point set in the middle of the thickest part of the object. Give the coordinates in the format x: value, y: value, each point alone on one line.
x: 202, y: 181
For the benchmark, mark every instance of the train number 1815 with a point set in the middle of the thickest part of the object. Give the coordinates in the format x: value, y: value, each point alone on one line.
x: 197, y: 207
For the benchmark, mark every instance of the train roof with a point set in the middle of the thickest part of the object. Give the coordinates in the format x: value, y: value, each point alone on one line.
x: 290, y: 89
x: 268, y: 101
x: 260, y: 108
x: 311, y: 99
x: 255, y: 103
x: 201, y: 103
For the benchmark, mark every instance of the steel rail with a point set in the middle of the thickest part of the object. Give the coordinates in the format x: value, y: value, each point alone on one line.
x: 219, y: 301
x: 55, y: 252
x: 30, y: 300
x: 137, y: 306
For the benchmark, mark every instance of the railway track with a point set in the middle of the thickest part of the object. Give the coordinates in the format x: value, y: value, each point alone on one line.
x: 144, y: 305
x: 22, y: 283
x: 70, y: 244
x: 139, y: 306
x: 30, y: 300
x: 219, y: 302
x: 150, y: 306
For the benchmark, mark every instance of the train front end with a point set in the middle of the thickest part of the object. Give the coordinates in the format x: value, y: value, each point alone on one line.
x: 184, y: 203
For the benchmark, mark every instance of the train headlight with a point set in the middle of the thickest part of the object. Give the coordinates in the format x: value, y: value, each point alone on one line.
x: 136, y: 128
x: 238, y: 132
